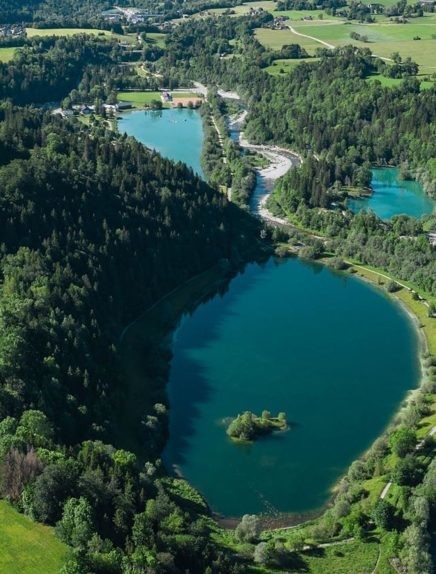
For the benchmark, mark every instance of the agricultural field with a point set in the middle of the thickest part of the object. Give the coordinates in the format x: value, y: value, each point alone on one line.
x: 384, y: 37
x: 267, y: 5
x: 276, y: 39
x: 33, y: 32
x: 27, y: 547
x: 6, y: 54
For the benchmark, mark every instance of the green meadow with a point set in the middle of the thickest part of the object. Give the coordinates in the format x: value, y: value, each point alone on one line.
x: 276, y: 39
x: 27, y: 547
x: 281, y: 67
x: 6, y: 54
x: 33, y: 32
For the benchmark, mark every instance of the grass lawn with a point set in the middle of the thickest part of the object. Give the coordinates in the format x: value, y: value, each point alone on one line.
x: 27, y: 547
x: 6, y: 54
x: 280, y: 67
x: 139, y: 99
x: 346, y: 558
x: 32, y: 32
x: 343, y: 558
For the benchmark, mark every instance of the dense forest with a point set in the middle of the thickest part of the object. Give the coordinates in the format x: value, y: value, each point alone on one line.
x: 95, y: 229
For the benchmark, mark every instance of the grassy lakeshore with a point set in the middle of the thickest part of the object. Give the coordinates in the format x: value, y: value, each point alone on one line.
x: 425, y: 325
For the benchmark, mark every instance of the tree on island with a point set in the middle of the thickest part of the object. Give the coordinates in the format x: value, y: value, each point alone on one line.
x: 248, y: 426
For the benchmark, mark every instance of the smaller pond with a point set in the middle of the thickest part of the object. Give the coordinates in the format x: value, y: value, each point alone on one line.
x: 176, y: 134
x: 393, y: 196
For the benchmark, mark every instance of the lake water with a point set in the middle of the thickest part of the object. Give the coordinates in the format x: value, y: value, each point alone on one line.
x: 393, y: 196
x: 332, y: 352
x: 176, y: 133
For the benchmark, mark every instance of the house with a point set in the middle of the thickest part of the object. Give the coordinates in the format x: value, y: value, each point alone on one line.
x: 122, y: 106
x: 432, y: 239
x: 110, y: 107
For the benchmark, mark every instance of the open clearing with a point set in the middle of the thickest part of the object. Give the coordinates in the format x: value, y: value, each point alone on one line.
x: 392, y: 82
x: 156, y: 39
x: 281, y: 67
x: 27, y: 547
x: 6, y: 54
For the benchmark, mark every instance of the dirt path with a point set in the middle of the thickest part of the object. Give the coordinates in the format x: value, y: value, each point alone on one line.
x: 327, y: 44
x: 294, y: 31
x: 419, y: 446
x: 378, y: 560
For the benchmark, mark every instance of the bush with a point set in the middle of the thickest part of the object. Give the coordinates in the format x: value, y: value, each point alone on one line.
x: 383, y: 514
x: 248, y: 529
x: 392, y: 287
x: 402, y: 441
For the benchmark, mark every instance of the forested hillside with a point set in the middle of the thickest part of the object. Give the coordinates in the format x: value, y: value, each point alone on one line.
x: 95, y: 229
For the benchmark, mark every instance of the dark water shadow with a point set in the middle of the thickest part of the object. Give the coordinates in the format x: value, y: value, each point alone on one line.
x: 145, y: 358
x: 196, y: 387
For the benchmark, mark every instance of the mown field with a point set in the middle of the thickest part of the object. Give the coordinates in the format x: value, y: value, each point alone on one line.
x: 138, y: 99
x: 141, y: 99
x: 6, y: 54
x: 27, y: 547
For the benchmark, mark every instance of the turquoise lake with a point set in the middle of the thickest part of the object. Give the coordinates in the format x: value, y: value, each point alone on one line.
x: 393, y: 196
x: 332, y: 352
x: 176, y: 133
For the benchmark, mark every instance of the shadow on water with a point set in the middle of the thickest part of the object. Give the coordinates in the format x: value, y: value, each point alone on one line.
x: 193, y: 388
x: 145, y: 353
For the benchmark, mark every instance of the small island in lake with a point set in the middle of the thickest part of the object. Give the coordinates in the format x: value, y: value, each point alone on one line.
x: 248, y: 426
